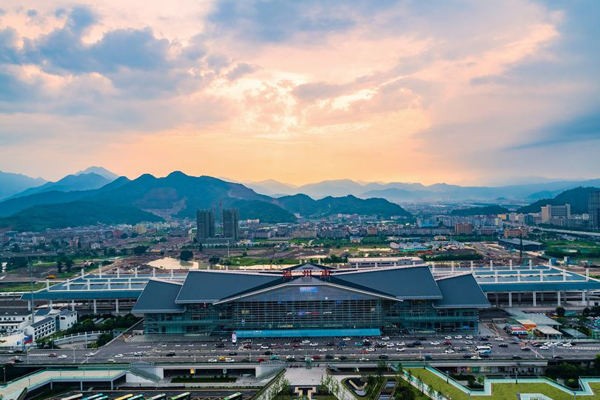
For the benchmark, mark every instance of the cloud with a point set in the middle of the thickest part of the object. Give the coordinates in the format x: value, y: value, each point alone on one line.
x: 419, y: 92
x: 582, y: 128
x: 240, y: 70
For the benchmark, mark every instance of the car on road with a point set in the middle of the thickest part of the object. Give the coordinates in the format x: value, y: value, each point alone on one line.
x: 118, y: 355
x: 171, y: 354
x: 212, y: 360
x: 526, y: 348
x: 233, y: 353
x: 448, y: 337
x: 499, y: 339
x: 544, y: 348
x: 52, y: 355
x: 383, y: 357
x: 567, y: 345
x: 434, y: 343
x: 449, y: 351
x: 458, y: 337
x: 469, y: 337
x: 399, y: 348
x: 62, y: 356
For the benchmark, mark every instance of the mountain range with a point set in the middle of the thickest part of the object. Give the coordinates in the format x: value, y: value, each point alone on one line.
x: 11, y: 184
x: 149, y: 198
x: 578, y: 198
x: 400, y: 192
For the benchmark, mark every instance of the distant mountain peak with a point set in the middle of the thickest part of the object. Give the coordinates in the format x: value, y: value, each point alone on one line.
x: 103, y: 172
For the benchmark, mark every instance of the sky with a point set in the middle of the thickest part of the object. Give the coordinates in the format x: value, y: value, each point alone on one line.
x: 465, y: 91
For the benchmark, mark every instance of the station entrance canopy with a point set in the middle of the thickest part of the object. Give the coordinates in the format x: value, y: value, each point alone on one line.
x: 307, y: 333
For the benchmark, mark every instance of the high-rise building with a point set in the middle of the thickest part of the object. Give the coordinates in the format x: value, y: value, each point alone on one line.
x: 550, y: 212
x: 230, y: 223
x: 205, y: 220
x: 594, y: 209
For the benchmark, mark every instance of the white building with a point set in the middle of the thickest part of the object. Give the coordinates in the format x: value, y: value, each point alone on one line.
x: 376, y: 262
x: 14, y: 320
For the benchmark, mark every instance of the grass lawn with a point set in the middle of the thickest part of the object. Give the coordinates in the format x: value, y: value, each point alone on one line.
x: 20, y: 287
x: 499, y: 391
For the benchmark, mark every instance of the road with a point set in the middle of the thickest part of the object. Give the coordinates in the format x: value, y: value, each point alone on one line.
x: 210, y: 350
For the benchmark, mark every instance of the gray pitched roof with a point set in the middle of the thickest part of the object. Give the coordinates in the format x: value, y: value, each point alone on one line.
x: 210, y: 286
x: 461, y: 291
x: 158, y: 297
x: 402, y: 283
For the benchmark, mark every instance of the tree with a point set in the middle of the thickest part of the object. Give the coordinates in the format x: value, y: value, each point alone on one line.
x: 186, y: 255
x: 139, y: 250
x: 586, y: 311
x: 68, y: 264
x: 214, y: 260
x: 560, y: 311
x: 430, y: 391
x: 59, y: 266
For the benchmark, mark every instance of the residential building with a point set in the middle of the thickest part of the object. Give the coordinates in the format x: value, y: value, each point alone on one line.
x: 205, y: 221
x: 463, y: 229
x: 231, y: 223
x: 594, y: 209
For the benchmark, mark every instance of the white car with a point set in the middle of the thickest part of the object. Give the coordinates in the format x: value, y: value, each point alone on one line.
x: 264, y: 347
x: 63, y: 356
x: 212, y: 360
x: 448, y: 337
x: 469, y: 337
x: 118, y: 355
x: 385, y: 338
x: 401, y: 344
x: 314, y: 344
x: 399, y: 348
x: 435, y: 343
x: 567, y: 345
x: 544, y: 347
x: 363, y: 359
x: 458, y: 337
x: 449, y: 351
x: 230, y: 360
x: 90, y: 354
x: 499, y: 339
x: 346, y: 339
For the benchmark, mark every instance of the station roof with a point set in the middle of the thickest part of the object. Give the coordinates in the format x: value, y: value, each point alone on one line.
x: 159, y: 297
x: 210, y: 286
x: 461, y: 291
x: 402, y: 283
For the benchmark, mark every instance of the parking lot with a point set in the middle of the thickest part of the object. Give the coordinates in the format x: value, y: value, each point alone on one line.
x: 222, y: 350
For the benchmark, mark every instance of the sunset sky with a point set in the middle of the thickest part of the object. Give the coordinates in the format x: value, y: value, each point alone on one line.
x: 467, y: 92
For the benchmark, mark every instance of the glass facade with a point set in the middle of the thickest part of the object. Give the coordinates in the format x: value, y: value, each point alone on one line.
x: 312, y: 307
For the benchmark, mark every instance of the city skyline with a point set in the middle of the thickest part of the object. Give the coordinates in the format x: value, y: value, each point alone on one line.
x: 456, y: 92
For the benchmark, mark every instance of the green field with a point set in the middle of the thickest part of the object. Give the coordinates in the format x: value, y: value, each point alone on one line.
x: 500, y: 391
